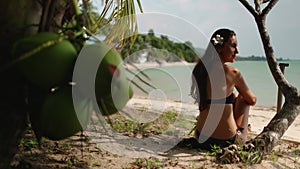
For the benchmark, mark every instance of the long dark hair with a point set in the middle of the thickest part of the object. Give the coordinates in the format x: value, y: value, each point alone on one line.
x: 205, y: 64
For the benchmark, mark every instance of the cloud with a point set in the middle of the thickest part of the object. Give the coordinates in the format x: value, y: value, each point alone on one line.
x: 283, y: 22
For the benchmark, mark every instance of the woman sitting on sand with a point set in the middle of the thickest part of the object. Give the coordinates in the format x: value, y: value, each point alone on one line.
x: 223, y: 115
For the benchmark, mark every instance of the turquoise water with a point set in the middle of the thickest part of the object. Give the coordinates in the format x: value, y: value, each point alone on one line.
x: 173, y: 82
x: 260, y: 80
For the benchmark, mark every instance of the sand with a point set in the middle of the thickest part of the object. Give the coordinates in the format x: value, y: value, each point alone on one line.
x: 121, y: 152
x: 259, y: 116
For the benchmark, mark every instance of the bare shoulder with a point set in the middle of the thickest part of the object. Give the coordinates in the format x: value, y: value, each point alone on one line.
x: 232, y: 70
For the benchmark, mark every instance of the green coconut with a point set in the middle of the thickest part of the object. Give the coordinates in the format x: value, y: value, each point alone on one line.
x: 112, y: 88
x: 110, y: 105
x: 104, y: 76
x: 58, y: 118
x: 45, y: 59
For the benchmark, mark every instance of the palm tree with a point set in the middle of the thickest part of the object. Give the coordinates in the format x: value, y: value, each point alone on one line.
x: 24, y: 18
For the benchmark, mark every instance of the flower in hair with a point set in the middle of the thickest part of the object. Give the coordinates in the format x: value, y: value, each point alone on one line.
x: 218, y: 40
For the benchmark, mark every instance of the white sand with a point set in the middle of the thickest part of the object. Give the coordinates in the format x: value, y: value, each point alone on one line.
x: 259, y: 116
x: 155, y: 64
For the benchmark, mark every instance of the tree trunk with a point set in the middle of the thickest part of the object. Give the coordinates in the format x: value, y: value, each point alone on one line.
x: 17, y: 20
x: 273, y: 132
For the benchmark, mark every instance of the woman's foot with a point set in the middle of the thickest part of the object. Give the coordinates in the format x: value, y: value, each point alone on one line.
x: 249, y: 128
x: 241, y: 129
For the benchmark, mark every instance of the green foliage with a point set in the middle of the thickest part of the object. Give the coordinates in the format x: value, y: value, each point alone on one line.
x: 161, y: 47
x: 148, y: 163
x: 28, y: 144
x: 47, y: 60
x: 256, y: 58
x: 214, y: 149
x: 21, y: 19
x: 133, y: 128
x: 246, y: 154
x: 120, y: 16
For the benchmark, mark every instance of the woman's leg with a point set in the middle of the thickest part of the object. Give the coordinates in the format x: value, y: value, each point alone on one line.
x: 241, y: 114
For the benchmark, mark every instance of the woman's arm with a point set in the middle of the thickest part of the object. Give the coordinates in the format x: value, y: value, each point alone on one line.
x: 243, y: 89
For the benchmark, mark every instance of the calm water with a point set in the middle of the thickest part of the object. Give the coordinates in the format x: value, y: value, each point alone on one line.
x: 173, y: 82
x: 260, y: 80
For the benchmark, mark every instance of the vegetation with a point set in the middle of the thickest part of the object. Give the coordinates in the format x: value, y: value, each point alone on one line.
x: 35, y: 28
x: 159, y: 48
x: 256, y: 58
x: 74, y: 22
x: 134, y: 129
x: 147, y: 163
x: 272, y: 133
x: 79, y: 152
x: 162, y: 48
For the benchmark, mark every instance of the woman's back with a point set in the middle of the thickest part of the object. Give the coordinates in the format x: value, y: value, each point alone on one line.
x: 221, y: 113
x: 226, y: 128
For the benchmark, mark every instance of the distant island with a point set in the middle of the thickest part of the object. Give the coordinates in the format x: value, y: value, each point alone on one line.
x: 152, y: 48
x: 245, y: 58
x: 256, y: 58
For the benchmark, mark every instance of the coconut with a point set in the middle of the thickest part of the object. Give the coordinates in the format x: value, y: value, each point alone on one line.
x: 58, y: 118
x: 45, y: 59
x: 112, y: 88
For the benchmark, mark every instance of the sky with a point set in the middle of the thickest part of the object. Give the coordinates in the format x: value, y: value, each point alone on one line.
x: 283, y: 22
x: 196, y: 20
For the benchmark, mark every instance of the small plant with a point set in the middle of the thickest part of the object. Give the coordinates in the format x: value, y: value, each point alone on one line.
x: 98, y: 148
x: 71, y: 161
x: 74, y: 161
x: 214, y: 149
x: 134, y: 129
x: 235, y: 154
x: 297, y: 151
x: 65, y: 146
x: 296, y: 157
x: 273, y: 156
x: 96, y: 164
x: 147, y: 163
x: 169, y: 116
x: 29, y: 144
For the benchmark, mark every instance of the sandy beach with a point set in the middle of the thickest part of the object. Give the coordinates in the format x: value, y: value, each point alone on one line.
x: 155, y: 64
x: 123, y: 152
x: 98, y: 149
x: 259, y: 116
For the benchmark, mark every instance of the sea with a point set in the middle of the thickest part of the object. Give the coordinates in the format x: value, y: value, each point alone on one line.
x: 174, y: 82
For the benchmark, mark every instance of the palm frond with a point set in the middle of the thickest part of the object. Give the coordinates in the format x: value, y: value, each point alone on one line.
x: 119, y: 18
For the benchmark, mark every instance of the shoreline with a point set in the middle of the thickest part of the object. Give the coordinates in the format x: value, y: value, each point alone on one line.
x: 259, y: 115
x: 155, y: 64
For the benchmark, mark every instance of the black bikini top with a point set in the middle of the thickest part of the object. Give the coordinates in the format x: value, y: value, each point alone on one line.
x: 227, y: 100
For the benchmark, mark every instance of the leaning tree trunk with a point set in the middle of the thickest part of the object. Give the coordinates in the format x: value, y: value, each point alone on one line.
x: 273, y: 132
x: 16, y: 19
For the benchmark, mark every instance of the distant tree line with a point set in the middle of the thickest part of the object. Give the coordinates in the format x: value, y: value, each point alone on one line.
x: 150, y: 47
x: 154, y: 48
x: 256, y: 58
x: 252, y: 58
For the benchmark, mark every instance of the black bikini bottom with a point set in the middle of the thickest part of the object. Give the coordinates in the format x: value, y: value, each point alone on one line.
x: 211, y: 143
